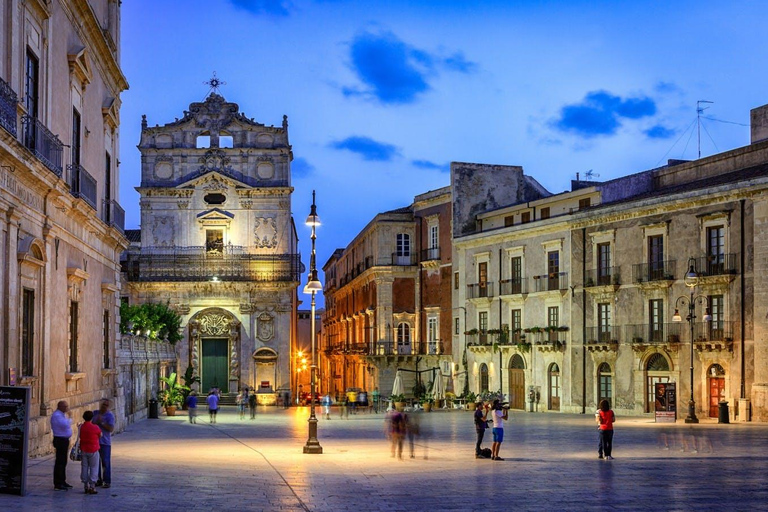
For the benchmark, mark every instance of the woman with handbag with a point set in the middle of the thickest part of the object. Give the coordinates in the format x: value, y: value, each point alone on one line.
x: 88, y: 436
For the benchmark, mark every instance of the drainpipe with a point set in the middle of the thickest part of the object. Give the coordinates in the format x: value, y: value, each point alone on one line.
x: 583, y: 323
x: 501, y: 375
x: 743, y: 306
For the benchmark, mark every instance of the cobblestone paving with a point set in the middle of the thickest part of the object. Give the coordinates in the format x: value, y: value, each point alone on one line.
x: 550, y: 464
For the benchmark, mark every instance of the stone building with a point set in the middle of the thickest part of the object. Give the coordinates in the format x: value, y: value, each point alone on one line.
x: 218, y: 243
x: 594, y: 279
x: 61, y: 231
x: 388, y: 300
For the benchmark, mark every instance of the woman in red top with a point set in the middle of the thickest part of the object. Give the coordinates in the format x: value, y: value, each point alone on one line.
x: 89, y: 446
x: 605, y: 419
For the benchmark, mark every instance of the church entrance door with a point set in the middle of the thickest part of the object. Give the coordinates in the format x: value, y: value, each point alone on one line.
x: 215, y: 370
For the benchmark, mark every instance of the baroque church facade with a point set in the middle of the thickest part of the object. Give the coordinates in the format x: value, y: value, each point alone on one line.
x: 219, y: 245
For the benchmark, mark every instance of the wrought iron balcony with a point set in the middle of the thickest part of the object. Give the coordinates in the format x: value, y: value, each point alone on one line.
x: 194, y: 264
x: 606, y: 276
x: 603, y: 334
x: 479, y: 290
x: 655, y: 271
x: 43, y: 143
x: 403, y: 260
x: 713, y: 331
x: 656, y: 333
x: 82, y: 184
x: 113, y: 215
x: 513, y: 286
x: 550, y: 282
x: 8, y: 102
x: 430, y: 254
x: 716, y: 265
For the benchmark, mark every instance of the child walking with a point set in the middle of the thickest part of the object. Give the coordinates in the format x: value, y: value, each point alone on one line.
x: 89, y: 446
x: 605, y: 419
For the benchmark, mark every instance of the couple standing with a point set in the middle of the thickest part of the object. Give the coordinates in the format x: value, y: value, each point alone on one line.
x: 500, y: 415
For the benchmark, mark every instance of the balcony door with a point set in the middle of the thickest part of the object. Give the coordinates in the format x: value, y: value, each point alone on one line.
x: 655, y: 257
x: 403, y: 338
x: 482, y: 279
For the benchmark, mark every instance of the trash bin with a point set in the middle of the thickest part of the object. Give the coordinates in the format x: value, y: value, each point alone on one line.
x: 722, y: 416
x: 153, y: 409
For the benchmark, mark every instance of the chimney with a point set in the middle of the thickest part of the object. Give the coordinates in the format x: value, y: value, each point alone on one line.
x: 758, y: 124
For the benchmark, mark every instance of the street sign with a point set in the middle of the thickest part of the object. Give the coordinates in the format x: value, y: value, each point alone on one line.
x: 14, y: 439
x: 665, y: 403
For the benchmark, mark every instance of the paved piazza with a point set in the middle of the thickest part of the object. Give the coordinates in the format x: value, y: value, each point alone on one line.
x: 551, y: 464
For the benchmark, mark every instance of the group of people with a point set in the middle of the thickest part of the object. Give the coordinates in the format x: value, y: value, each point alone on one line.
x: 399, y: 426
x: 94, y: 436
x: 246, y: 398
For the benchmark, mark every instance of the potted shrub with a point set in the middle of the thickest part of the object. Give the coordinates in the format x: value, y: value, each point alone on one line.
x: 173, y: 394
x: 449, y: 398
x: 398, y: 402
x: 471, y: 398
x: 427, y: 400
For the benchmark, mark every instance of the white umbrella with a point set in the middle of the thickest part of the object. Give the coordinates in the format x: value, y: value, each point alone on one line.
x: 438, y: 387
x: 397, y: 387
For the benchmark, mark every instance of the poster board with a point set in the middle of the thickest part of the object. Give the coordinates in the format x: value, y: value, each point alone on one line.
x: 14, y: 439
x: 665, y: 403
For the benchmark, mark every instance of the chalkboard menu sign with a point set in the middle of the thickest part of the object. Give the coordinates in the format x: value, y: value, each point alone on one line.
x: 14, y: 439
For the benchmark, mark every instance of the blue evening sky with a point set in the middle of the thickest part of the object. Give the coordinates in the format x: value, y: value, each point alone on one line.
x: 382, y: 95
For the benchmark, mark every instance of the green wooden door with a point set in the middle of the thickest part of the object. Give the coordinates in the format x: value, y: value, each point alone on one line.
x: 215, y: 369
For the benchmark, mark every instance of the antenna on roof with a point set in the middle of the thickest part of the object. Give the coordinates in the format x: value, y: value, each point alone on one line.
x: 591, y: 174
x: 699, y: 110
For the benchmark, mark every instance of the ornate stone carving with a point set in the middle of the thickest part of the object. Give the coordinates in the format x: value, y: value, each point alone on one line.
x: 215, y: 324
x: 266, y: 327
x: 265, y: 231
x: 183, y: 204
x: 246, y: 204
x: 234, y: 343
x: 246, y: 309
x: 163, y: 231
x: 215, y: 160
x: 164, y: 167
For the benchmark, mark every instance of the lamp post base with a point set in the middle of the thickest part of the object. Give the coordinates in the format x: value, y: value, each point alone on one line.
x: 313, y: 445
x: 691, y: 413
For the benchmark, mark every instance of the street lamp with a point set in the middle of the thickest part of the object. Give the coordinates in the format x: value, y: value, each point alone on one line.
x: 313, y: 286
x: 691, y: 280
x: 464, y: 357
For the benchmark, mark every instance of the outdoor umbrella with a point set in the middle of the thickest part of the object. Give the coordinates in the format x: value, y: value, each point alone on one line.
x: 397, y: 387
x: 438, y: 387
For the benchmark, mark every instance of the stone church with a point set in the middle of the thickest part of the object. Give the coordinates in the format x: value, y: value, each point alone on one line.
x: 218, y: 243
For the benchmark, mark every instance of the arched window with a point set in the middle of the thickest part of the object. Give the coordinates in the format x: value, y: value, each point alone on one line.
x: 554, y: 387
x: 517, y: 362
x: 657, y: 363
x: 657, y: 371
x: 403, y: 338
x: 605, y: 383
x: 483, y: 377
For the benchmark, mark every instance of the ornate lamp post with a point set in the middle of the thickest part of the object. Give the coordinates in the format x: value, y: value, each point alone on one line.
x: 691, y: 280
x: 313, y: 286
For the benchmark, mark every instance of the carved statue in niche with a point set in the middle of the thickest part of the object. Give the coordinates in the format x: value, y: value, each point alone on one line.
x: 162, y: 231
x: 266, y: 328
x: 265, y: 232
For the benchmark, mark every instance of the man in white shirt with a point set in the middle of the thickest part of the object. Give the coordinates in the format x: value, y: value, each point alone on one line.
x: 61, y: 427
x: 500, y: 414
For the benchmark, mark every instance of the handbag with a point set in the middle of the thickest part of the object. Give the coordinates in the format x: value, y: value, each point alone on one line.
x: 75, y: 453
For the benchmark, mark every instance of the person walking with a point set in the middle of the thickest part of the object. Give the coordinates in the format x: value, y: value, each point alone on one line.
x: 376, y: 395
x: 192, y: 406
x: 105, y: 420
x: 90, y: 435
x: 396, y: 431
x: 605, y: 419
x: 213, y: 406
x: 481, y: 423
x: 326, y: 403
x: 500, y: 415
x: 252, y: 404
x: 242, y: 400
x: 61, y: 427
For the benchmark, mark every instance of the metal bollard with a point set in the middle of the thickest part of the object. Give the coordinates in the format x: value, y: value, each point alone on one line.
x: 722, y: 416
x: 153, y: 409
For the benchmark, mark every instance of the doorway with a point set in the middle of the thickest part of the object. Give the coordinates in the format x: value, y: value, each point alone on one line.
x: 554, y: 387
x: 716, y: 388
x: 517, y: 382
x: 215, y: 364
x: 656, y: 371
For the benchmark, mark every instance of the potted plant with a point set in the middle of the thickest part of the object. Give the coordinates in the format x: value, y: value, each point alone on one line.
x: 449, y: 398
x: 398, y: 402
x: 471, y: 397
x: 172, y: 395
x: 427, y: 400
x: 524, y: 347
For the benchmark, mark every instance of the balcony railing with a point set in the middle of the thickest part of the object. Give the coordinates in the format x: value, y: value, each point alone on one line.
x: 657, y: 333
x: 403, y: 260
x: 716, y: 265
x: 603, y: 334
x: 197, y: 265
x: 113, y: 215
x: 513, y: 286
x: 430, y: 254
x: 82, y: 184
x: 390, y: 348
x: 550, y: 282
x: 606, y: 276
x: 43, y: 143
x: 712, y: 331
x: 479, y: 290
x: 655, y: 271
x: 8, y: 102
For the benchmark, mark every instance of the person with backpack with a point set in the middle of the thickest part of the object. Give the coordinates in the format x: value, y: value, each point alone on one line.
x: 605, y: 419
x: 481, y: 423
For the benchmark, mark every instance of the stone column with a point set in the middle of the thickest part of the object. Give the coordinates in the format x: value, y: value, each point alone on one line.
x: 760, y: 276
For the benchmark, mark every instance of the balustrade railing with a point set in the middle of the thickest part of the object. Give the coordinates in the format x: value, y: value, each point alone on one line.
x: 479, y: 290
x: 603, y: 334
x: 606, y: 276
x: 82, y: 184
x: 432, y: 253
x: 513, y: 286
x: 550, y: 282
x: 654, y: 271
x: 653, y: 333
x: 716, y: 265
x: 43, y: 143
x: 113, y: 215
x: 8, y: 103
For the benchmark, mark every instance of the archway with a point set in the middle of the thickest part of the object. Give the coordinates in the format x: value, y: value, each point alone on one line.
x: 483, y: 378
x: 604, y: 383
x: 554, y: 387
x: 214, y: 343
x: 656, y: 371
x: 716, y: 380
x: 517, y: 382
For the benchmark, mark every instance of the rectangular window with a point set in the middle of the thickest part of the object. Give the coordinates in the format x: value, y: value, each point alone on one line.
x: 715, y: 250
x: 656, y: 319
x: 604, y: 321
x: 603, y: 264
x: 403, y: 244
x: 432, y: 329
x: 73, y: 328
x: 456, y: 325
x: 482, y: 321
x: 108, y: 186
x: 553, y: 316
x: 517, y: 317
x: 214, y: 241
x: 455, y: 280
x: 76, y: 142
x: 525, y: 217
x: 544, y: 213
x: 434, y: 236
x: 516, y: 269
x: 482, y: 279
x: 656, y: 257
x: 584, y: 203
x: 509, y: 221
x: 717, y: 310
x: 31, y: 89
x: 105, y: 333
x: 553, y: 270
x: 28, y: 333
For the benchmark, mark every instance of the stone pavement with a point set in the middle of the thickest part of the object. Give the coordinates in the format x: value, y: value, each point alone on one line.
x: 551, y: 464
